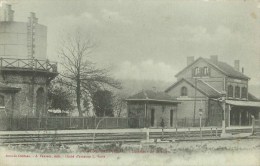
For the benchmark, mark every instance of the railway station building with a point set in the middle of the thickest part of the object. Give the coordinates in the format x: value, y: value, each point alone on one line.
x: 150, y: 108
x: 212, y: 89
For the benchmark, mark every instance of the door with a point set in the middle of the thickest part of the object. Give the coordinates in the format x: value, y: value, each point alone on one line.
x: 171, y: 118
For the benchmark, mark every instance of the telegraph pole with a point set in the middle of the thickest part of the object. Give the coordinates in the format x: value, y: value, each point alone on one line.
x: 195, y: 98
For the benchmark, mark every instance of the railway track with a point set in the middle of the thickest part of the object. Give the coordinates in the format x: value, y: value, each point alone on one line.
x: 87, y: 138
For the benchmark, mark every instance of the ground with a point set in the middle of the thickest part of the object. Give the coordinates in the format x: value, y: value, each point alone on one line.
x: 222, y: 152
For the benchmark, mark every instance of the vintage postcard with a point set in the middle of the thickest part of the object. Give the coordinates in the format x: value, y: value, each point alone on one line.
x: 130, y: 82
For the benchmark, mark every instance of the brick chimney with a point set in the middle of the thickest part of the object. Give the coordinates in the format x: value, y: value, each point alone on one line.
x: 190, y: 60
x: 236, y: 65
x: 6, y: 12
x: 214, y: 58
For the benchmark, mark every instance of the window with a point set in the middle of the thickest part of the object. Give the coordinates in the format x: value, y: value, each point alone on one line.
x: 230, y: 91
x: 197, y: 71
x: 244, y: 93
x: 237, y: 92
x: 184, y: 91
x: 205, y: 71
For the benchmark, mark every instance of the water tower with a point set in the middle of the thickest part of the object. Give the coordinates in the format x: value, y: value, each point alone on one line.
x: 25, y: 73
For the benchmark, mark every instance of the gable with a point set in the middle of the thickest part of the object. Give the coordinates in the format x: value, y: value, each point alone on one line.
x: 217, y: 69
x: 188, y: 72
x: 175, y: 90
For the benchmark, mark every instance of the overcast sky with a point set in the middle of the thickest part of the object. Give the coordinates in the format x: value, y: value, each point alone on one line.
x: 151, y: 39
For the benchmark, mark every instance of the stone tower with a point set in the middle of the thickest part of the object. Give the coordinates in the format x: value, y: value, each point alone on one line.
x: 25, y: 73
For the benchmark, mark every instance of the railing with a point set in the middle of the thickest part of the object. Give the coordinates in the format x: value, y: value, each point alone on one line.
x: 67, y: 123
x: 32, y: 64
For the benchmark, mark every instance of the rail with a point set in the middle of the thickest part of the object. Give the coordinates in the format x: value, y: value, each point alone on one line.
x: 31, y: 64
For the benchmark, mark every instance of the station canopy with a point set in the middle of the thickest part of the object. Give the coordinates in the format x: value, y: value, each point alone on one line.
x: 243, y: 103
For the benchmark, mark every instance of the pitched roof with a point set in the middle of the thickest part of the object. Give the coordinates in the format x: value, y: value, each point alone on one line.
x: 221, y: 66
x: 6, y: 88
x: 227, y: 69
x: 200, y: 85
x: 150, y: 95
x: 251, y: 97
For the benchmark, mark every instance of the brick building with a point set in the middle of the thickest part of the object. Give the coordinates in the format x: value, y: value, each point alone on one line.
x: 208, y: 86
x: 216, y: 88
x: 149, y: 108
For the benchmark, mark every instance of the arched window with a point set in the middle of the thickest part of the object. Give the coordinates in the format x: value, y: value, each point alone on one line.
x: 230, y: 91
x: 2, y: 100
x: 206, y: 71
x: 237, y: 92
x: 244, y: 92
x: 184, y: 91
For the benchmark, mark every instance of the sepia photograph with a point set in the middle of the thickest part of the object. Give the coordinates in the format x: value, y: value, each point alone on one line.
x: 130, y: 82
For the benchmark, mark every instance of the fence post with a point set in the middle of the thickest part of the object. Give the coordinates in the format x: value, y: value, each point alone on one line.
x: 105, y: 122
x: 176, y: 132
x: 117, y: 123
x: 216, y: 132
x: 64, y: 123
x: 253, y: 124
x: 83, y: 123
x: 138, y: 122
x: 70, y: 122
x: 26, y: 122
x: 95, y: 122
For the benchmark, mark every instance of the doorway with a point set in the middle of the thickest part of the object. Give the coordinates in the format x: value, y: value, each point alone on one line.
x: 39, y: 102
x: 171, y: 118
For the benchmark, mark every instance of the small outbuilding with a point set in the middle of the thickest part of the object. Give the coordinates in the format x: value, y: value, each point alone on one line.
x: 149, y: 108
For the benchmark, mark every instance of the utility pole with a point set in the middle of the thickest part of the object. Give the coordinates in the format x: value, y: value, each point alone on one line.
x: 195, y: 98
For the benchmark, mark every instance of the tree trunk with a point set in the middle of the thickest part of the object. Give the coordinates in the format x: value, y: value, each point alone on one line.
x: 78, y: 97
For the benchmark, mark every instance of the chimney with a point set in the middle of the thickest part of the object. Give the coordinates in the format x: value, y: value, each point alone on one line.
x: 6, y: 12
x: 214, y: 58
x: 236, y: 65
x: 190, y: 60
x: 243, y: 70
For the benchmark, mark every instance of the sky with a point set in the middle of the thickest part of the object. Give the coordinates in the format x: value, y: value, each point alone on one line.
x: 150, y: 40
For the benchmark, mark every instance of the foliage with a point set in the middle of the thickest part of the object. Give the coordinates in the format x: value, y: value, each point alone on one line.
x: 60, y: 97
x: 103, y: 103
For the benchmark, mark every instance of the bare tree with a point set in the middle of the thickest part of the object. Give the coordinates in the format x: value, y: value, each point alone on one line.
x: 78, y: 71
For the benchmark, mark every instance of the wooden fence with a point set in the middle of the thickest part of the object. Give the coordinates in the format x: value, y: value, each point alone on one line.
x: 32, y: 64
x: 67, y: 123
